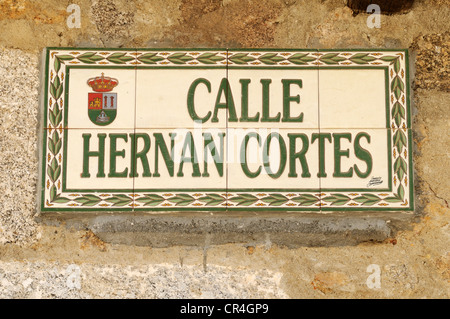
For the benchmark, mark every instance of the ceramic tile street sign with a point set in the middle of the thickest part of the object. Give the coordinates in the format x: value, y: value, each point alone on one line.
x: 226, y: 130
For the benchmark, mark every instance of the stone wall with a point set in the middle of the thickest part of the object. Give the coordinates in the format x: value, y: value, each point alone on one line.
x: 45, y: 260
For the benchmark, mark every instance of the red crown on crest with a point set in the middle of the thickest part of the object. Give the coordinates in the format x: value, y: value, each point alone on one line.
x: 102, y: 83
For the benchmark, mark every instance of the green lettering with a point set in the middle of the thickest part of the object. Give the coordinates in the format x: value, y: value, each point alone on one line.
x: 224, y: 88
x: 189, y: 143
x: 266, y: 160
x: 100, y: 154
x: 363, y: 155
x: 160, y: 145
x: 265, y: 103
x: 142, y: 155
x: 114, y: 153
x: 338, y: 153
x: 321, y: 137
x: 243, y: 155
x: 244, y: 103
x: 287, y: 99
x: 218, y: 158
x: 301, y: 155
x: 190, y: 99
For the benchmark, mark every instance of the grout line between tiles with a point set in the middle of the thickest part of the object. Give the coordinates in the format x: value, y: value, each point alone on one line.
x: 227, y: 136
x: 134, y: 131
x: 318, y: 122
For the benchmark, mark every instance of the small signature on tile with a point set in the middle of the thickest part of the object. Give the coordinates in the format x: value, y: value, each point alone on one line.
x: 374, y: 181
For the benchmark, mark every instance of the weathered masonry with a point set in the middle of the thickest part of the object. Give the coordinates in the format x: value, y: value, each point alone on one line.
x: 226, y: 130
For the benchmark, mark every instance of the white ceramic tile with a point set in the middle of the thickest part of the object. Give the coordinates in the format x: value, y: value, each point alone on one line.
x: 188, y: 169
x: 287, y: 181
x: 181, y: 98
x: 118, y: 102
x: 259, y: 98
x: 353, y: 98
x: 84, y: 169
x: 284, y: 170
x: 389, y: 183
x: 69, y: 183
x: 186, y: 176
x: 355, y: 159
x: 68, y: 71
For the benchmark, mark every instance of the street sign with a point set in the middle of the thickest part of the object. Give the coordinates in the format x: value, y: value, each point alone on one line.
x: 226, y: 130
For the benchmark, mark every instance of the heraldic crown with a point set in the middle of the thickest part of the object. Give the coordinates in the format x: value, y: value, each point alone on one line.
x: 102, y: 83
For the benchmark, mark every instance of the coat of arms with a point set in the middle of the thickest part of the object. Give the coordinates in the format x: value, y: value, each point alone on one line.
x: 102, y: 104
